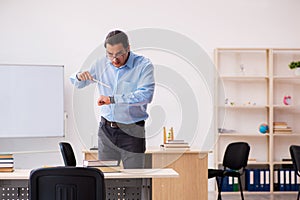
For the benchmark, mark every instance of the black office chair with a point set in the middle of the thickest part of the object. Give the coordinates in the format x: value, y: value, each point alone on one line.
x: 234, y: 162
x: 66, y: 183
x: 295, y: 155
x: 67, y: 154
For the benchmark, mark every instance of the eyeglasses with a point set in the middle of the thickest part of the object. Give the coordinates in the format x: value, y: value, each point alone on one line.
x: 117, y: 55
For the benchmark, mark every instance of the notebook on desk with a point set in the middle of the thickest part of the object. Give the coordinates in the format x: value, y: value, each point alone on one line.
x: 103, y: 165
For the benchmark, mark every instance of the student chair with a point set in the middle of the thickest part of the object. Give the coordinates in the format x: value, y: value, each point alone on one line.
x: 67, y: 154
x: 234, y: 162
x: 66, y: 183
x: 295, y: 155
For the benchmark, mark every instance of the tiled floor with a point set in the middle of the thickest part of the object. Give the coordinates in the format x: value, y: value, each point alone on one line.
x: 213, y: 196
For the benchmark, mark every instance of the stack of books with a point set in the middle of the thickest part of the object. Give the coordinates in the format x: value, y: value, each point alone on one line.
x: 177, y: 145
x: 6, y: 162
x: 103, y: 165
x: 281, y: 127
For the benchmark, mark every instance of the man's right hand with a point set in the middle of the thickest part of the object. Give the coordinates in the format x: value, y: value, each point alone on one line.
x: 83, y: 76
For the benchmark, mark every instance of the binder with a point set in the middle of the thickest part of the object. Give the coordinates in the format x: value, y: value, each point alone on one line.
x: 267, y: 180
x: 256, y: 180
x: 287, y: 180
x: 225, y: 184
x: 293, y: 180
x: 230, y: 184
x: 276, y: 183
x: 261, y: 180
x: 297, y: 181
x: 235, y: 184
x: 250, y: 180
x: 281, y: 180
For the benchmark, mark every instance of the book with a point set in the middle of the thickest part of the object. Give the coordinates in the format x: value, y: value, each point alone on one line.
x: 251, y: 159
x: 6, y: 169
x: 100, y: 163
x: 106, y: 169
x: 176, y: 149
x: 4, y: 165
x: 279, y: 125
x: 175, y: 142
x: 6, y: 160
x: 283, y: 130
x: 6, y: 155
x: 179, y: 145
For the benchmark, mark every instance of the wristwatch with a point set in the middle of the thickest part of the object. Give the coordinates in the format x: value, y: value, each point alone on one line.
x: 112, y: 99
x: 78, y: 77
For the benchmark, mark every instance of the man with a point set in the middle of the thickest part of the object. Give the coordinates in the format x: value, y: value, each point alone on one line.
x: 126, y: 85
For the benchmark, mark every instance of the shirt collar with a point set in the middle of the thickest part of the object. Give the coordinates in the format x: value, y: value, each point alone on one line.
x: 129, y: 62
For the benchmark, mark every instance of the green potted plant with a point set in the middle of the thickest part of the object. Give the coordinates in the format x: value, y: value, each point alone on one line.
x: 295, y: 65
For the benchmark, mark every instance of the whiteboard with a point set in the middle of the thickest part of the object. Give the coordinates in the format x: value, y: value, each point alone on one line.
x: 31, y: 101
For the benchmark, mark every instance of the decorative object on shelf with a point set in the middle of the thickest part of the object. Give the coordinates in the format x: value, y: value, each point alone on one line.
x: 295, y: 65
x: 168, y: 136
x: 165, y: 135
x: 242, y: 69
x: 287, y: 100
x: 224, y: 130
x: 226, y: 101
x: 263, y: 128
x: 249, y: 103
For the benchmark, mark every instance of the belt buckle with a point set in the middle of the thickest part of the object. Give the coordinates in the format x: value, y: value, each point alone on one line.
x: 113, y: 125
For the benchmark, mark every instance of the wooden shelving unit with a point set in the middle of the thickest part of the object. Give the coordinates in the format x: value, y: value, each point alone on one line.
x: 252, y: 83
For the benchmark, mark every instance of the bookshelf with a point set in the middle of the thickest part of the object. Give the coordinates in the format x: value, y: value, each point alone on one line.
x: 252, y: 83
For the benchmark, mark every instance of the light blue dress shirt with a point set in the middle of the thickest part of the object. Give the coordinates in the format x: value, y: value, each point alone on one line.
x: 131, y: 85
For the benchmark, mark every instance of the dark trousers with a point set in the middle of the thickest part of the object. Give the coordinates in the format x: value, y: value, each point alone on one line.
x: 122, y: 142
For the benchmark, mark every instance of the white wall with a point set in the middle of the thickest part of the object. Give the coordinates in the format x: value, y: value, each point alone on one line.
x: 66, y: 32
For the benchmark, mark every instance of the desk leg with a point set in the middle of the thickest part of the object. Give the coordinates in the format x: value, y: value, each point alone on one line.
x: 14, y: 189
x: 133, y: 189
x: 147, y: 188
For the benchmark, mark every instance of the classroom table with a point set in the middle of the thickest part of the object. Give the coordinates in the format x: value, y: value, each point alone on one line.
x: 128, y: 184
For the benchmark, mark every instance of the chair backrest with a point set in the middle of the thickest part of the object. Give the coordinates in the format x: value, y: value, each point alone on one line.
x: 67, y: 154
x: 66, y: 183
x: 236, y: 155
x: 295, y: 155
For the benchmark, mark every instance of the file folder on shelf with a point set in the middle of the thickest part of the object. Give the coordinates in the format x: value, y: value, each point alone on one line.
x: 261, y: 180
x: 287, y: 183
x: 276, y: 183
x: 293, y: 180
x: 267, y: 180
x: 250, y: 180
x: 256, y: 180
x: 235, y: 184
x: 281, y: 179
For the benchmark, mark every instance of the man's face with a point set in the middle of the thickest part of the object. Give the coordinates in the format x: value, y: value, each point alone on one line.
x: 117, y: 54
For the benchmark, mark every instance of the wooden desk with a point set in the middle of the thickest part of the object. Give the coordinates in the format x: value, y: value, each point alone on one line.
x: 192, y: 167
x: 128, y: 184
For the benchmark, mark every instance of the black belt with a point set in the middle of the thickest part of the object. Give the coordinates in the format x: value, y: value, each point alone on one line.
x: 115, y: 124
